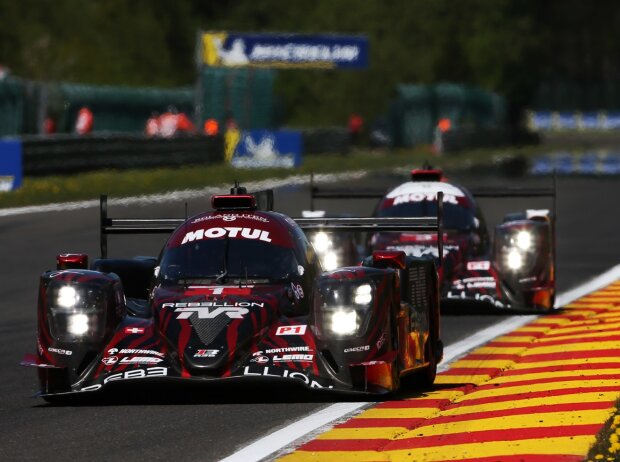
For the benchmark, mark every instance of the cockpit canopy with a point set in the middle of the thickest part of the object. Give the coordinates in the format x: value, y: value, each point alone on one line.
x: 419, y: 199
x: 252, y: 247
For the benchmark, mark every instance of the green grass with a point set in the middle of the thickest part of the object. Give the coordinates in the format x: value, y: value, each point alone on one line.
x: 45, y: 190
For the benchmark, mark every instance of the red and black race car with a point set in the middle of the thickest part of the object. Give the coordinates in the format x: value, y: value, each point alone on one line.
x: 515, y: 269
x: 238, y: 294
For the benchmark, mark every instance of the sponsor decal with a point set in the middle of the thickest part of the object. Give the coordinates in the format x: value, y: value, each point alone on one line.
x: 423, y: 250
x: 419, y: 197
x: 137, y: 374
x: 487, y: 282
x: 480, y: 297
x: 91, y: 388
x: 215, y: 233
x: 297, y: 291
x: 478, y: 265
x: 285, y: 373
x: 357, y: 349
x: 207, y: 313
x: 134, y: 330
x: 108, y: 361
x: 260, y: 359
x: 293, y: 357
x: 134, y: 351
x: 141, y: 360
x: 381, y: 341
x: 60, y: 351
x: 231, y: 217
x: 291, y: 330
x: 222, y: 290
x: 210, y: 310
x: 283, y: 350
x: 206, y: 353
x: 426, y: 188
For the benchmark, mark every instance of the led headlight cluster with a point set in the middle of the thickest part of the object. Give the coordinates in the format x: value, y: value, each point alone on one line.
x: 324, y: 248
x: 343, y: 309
x: 518, y: 250
x: 77, y: 313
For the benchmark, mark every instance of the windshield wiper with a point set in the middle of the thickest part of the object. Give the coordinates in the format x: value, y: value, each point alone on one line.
x: 222, y: 276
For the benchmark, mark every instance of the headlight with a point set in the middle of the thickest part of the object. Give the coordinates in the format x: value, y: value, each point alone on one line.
x: 329, y: 261
x: 321, y: 242
x: 524, y: 240
x: 77, y: 313
x: 514, y: 260
x: 344, y: 322
x: 342, y: 309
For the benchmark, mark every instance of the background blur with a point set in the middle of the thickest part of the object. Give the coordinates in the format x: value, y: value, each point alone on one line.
x: 537, y: 54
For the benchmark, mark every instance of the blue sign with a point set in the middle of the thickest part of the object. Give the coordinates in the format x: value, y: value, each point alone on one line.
x: 10, y: 165
x: 284, y: 50
x: 267, y: 149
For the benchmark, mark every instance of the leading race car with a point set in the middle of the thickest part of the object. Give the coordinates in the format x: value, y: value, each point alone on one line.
x: 514, y: 270
x: 238, y: 294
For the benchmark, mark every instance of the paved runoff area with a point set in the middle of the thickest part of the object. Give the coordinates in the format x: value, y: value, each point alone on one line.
x: 539, y: 393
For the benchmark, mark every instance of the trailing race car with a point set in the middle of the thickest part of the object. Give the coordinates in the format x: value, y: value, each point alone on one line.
x: 515, y: 270
x: 238, y: 294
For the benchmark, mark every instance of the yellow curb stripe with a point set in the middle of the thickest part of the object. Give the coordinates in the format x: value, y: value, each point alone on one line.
x: 372, y: 433
x: 499, y: 350
x: 506, y: 391
x: 399, y: 413
x: 600, y: 332
x: 591, y: 397
x: 555, y: 374
x: 567, y: 362
x: 577, y: 445
x: 569, y: 347
x: 480, y: 363
x: 340, y: 456
x: 536, y: 420
x: 445, y: 379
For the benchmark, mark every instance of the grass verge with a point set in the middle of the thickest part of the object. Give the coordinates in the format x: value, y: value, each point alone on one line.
x: 84, y: 186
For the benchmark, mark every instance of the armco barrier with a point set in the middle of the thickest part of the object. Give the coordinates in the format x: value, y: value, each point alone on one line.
x: 64, y: 154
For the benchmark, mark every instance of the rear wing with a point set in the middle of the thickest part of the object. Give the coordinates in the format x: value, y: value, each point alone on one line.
x: 316, y: 193
x: 109, y: 225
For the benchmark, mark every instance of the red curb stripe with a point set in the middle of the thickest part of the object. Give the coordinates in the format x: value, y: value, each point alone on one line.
x: 536, y: 394
x: 346, y: 445
x: 562, y: 368
x: 570, y: 378
x: 585, y: 354
x: 600, y: 329
x: 490, y: 357
x: 567, y: 407
x: 509, y: 344
x: 608, y: 338
x: 524, y: 458
x: 451, y: 439
x: 473, y: 371
x: 412, y: 404
x: 485, y: 436
x: 373, y: 422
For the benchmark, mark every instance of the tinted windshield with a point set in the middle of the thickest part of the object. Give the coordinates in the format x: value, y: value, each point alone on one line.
x: 454, y: 216
x: 228, y: 259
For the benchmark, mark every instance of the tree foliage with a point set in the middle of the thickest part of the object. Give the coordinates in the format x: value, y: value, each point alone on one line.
x: 507, y: 46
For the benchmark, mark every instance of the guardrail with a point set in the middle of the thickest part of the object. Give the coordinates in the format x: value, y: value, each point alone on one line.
x: 64, y: 154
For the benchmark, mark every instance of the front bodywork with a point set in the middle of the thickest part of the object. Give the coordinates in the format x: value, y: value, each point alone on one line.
x: 354, y: 329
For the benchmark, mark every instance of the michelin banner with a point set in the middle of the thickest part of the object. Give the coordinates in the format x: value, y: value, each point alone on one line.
x: 267, y: 149
x: 10, y: 165
x: 225, y: 49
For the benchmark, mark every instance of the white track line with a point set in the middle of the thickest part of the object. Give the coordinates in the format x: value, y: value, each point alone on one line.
x: 186, y: 194
x: 322, y: 420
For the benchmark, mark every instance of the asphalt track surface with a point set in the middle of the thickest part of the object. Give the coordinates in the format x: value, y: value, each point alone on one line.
x: 209, y: 423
